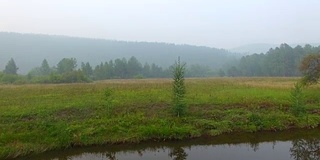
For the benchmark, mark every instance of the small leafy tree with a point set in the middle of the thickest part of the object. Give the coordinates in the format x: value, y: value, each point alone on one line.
x: 179, y: 89
x: 310, y: 68
x: 66, y: 65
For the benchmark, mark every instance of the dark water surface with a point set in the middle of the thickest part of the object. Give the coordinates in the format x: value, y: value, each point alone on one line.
x: 293, y: 144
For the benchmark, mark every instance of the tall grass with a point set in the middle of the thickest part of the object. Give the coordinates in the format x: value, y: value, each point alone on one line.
x: 36, y: 118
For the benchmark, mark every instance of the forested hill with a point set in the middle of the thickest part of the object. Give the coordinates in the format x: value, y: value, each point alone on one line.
x: 28, y: 51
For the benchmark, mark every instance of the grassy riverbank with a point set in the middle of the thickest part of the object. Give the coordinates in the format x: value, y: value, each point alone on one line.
x: 36, y: 118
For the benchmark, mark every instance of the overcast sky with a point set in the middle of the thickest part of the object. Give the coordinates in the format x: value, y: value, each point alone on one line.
x: 213, y: 23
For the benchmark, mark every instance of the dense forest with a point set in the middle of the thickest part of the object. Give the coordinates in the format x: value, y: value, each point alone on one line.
x: 68, y: 71
x: 281, y: 61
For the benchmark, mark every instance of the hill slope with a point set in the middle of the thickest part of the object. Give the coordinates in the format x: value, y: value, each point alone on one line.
x: 28, y: 50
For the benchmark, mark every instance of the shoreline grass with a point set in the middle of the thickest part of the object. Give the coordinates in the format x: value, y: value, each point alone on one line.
x: 37, y: 118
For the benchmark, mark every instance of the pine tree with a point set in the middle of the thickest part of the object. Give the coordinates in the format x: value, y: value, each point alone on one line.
x: 45, y: 69
x: 11, y: 67
x: 179, y: 89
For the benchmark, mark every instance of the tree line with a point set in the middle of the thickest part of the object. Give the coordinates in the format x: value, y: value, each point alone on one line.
x: 67, y: 71
x: 283, y: 61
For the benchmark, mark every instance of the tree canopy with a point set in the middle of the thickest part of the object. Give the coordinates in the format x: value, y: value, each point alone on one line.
x: 310, y: 68
x: 66, y: 65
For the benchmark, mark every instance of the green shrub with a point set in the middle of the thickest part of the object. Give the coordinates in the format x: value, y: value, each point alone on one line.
x: 256, y: 120
x: 13, y: 78
x: 297, y: 99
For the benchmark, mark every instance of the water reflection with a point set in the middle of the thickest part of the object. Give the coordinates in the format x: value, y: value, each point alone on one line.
x: 305, y: 149
x: 112, y: 155
x: 298, y: 145
x: 178, y: 153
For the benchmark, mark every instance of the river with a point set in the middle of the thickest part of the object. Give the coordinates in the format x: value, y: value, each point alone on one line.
x: 284, y: 145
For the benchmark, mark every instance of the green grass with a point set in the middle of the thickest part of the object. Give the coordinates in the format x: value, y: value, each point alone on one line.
x: 37, y: 118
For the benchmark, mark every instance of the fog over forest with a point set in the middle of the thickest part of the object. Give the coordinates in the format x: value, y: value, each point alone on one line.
x: 215, y: 38
x: 28, y: 50
x: 44, y: 57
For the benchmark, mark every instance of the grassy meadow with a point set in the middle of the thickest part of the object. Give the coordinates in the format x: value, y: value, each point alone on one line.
x: 36, y: 118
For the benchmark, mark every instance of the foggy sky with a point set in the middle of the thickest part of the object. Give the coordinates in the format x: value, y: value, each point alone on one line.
x: 213, y: 23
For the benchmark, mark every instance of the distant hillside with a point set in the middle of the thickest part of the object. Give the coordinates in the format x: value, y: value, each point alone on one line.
x: 263, y: 47
x: 28, y: 51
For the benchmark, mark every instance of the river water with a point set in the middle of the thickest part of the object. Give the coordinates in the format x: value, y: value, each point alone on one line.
x: 285, y: 145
